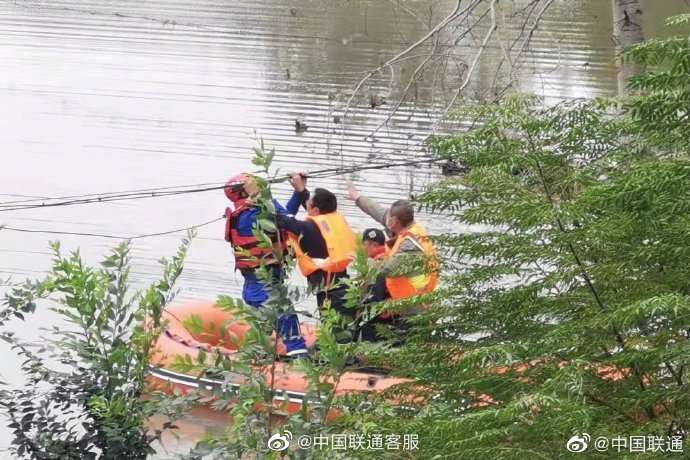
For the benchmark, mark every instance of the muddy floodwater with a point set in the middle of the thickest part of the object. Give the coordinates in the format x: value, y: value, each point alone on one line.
x: 101, y: 96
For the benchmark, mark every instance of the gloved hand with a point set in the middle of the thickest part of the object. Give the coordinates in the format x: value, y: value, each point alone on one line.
x: 298, y: 181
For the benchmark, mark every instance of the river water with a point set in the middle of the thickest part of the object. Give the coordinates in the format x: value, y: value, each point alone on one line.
x: 101, y: 96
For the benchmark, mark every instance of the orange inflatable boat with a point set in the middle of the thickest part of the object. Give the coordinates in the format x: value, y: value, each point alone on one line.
x: 222, y: 334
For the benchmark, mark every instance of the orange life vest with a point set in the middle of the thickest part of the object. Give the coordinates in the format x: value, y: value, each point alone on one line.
x: 401, y: 287
x: 340, y: 243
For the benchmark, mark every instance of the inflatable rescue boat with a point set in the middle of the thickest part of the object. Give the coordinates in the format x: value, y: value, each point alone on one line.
x: 222, y: 334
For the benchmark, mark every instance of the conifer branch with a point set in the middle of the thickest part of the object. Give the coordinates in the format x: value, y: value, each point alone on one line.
x: 578, y: 261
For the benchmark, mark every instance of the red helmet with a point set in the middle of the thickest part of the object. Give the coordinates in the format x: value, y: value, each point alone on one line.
x: 234, y: 187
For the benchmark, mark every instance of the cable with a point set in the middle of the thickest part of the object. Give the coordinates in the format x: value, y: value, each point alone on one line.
x: 165, y: 191
x: 113, y: 197
x: 340, y: 171
x: 168, y: 191
x: 64, y: 197
x: 133, y: 195
x: 101, y: 235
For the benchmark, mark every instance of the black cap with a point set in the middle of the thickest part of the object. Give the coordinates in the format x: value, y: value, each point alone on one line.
x: 375, y: 235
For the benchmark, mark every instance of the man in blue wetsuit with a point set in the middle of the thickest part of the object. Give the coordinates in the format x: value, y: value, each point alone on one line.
x: 239, y: 233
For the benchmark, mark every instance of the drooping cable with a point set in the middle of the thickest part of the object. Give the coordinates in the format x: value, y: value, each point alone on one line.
x: 103, y: 235
x: 179, y: 190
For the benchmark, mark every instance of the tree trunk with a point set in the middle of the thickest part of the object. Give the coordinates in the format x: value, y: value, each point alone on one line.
x: 627, y: 31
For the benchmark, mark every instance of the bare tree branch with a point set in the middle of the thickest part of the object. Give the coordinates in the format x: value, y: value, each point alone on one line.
x: 448, y: 34
x: 398, y: 4
x: 413, y: 79
x: 470, y: 71
x: 533, y: 29
x: 452, y: 16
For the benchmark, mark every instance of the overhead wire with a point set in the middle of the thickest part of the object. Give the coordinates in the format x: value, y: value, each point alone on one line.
x: 168, y: 191
x: 103, y: 235
x: 110, y: 198
x: 87, y: 195
x: 185, y: 189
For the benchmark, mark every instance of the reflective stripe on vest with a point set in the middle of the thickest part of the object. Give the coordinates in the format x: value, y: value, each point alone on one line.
x: 401, y: 287
x: 340, y: 244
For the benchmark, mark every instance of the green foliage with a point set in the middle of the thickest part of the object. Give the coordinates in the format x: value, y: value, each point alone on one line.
x: 20, y: 300
x: 662, y: 112
x: 90, y: 405
x: 566, y: 307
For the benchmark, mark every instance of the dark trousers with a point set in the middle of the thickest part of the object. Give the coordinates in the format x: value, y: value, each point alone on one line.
x: 396, y: 324
x: 337, y: 299
x: 335, y: 293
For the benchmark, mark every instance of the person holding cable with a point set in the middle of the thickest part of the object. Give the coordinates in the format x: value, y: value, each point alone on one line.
x: 324, y: 245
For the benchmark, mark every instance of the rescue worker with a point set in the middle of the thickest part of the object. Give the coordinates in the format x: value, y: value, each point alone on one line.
x: 408, y: 240
x: 239, y: 233
x: 374, y: 242
x: 324, y: 245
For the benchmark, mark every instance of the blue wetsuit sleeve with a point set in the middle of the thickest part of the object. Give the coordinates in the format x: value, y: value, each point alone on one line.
x: 246, y: 222
x: 247, y: 219
x: 280, y: 210
x: 297, y: 199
